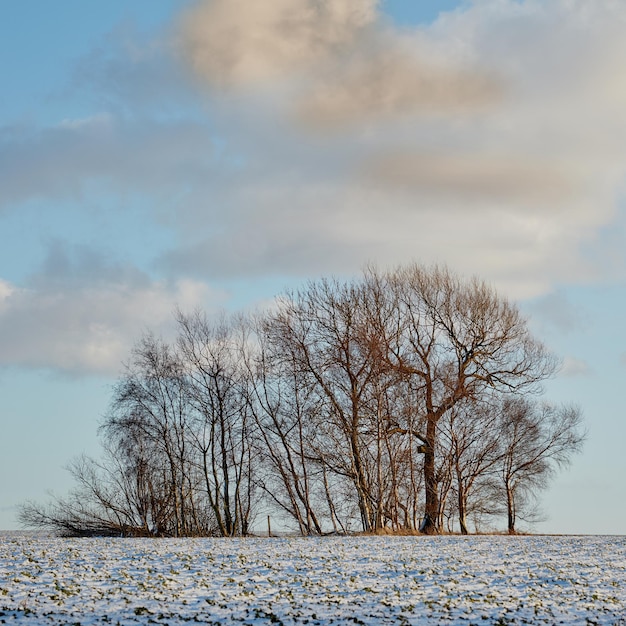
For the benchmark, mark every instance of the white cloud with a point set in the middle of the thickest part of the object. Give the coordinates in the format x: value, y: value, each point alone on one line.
x: 338, y: 61
x: 90, y: 330
x: 80, y: 320
x: 492, y: 140
x: 389, y: 77
x: 6, y: 289
x: 235, y: 43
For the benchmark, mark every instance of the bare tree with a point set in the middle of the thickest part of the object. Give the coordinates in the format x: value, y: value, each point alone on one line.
x: 118, y: 495
x: 212, y: 354
x: 470, y: 438
x: 282, y: 403
x: 323, y: 327
x: 151, y: 411
x: 535, y: 440
x: 457, y: 340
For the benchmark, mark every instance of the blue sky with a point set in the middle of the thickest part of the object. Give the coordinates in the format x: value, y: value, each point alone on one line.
x: 164, y: 153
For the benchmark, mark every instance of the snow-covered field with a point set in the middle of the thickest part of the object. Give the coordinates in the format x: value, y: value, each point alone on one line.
x: 339, y: 580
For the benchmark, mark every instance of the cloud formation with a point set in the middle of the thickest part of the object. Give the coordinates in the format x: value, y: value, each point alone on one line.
x: 338, y: 60
x: 233, y: 43
x: 80, y: 314
x: 491, y: 139
x: 389, y: 77
x: 143, y: 155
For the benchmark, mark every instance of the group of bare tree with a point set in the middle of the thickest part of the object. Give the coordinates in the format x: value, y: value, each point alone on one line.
x: 401, y: 401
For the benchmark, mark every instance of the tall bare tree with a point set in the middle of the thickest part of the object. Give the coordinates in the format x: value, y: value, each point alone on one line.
x: 457, y: 339
x: 470, y: 438
x: 535, y: 440
x: 283, y: 404
x: 212, y: 354
x: 322, y: 326
x: 150, y: 410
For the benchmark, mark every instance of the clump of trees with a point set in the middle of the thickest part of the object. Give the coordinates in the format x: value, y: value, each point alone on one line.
x: 401, y: 401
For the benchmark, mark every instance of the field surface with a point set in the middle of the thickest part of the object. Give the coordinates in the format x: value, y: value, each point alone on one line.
x: 339, y: 580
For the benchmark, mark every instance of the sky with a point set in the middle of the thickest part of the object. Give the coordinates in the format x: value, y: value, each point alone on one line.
x: 167, y: 153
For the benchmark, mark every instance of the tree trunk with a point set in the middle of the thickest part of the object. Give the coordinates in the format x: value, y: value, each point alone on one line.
x: 510, y: 509
x: 329, y: 500
x: 462, y: 498
x: 361, y: 484
x: 430, y: 523
x: 462, y: 513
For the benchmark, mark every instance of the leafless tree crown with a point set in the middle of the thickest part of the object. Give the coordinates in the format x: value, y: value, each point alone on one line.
x: 402, y: 401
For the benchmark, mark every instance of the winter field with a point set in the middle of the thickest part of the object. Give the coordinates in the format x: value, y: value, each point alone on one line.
x: 338, y: 580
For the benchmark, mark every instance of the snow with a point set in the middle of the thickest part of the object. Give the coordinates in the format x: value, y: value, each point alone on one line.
x: 332, y: 580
